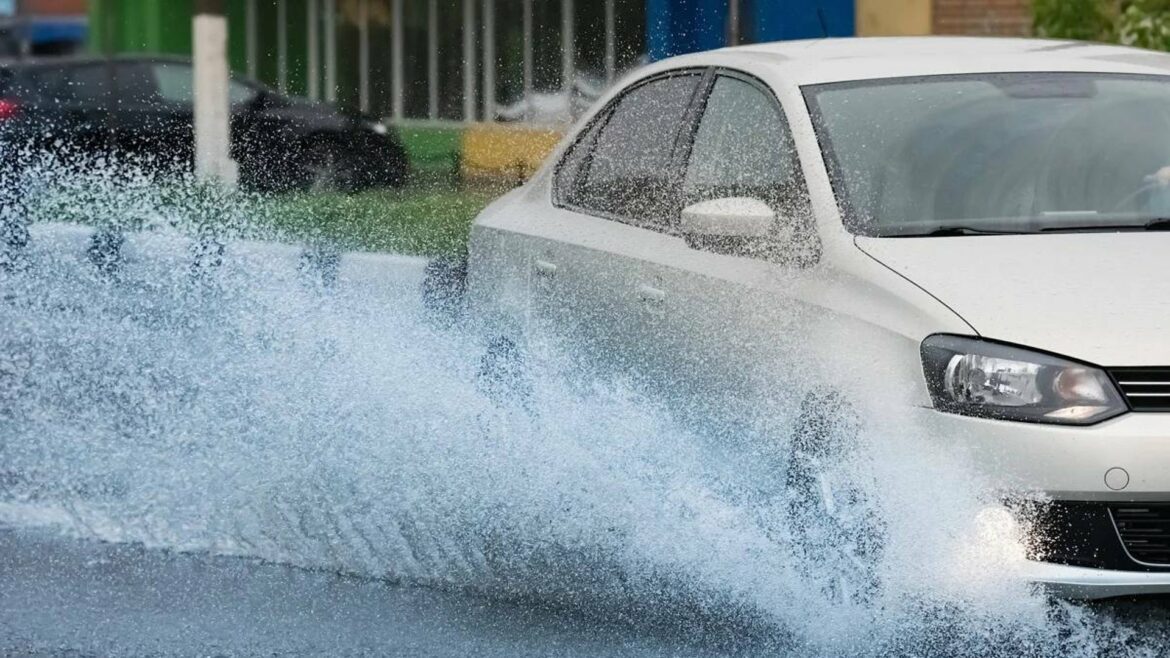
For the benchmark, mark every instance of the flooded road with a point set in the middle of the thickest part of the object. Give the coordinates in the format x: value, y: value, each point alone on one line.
x: 219, y: 450
x: 67, y: 597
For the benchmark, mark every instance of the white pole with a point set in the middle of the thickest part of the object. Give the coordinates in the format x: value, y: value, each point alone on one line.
x: 212, y: 114
x: 433, y: 60
x: 397, y: 62
x: 469, y: 72
x: 610, y: 43
x: 313, y: 66
x: 568, y: 71
x: 489, y: 60
x: 331, y: 51
x: 282, y: 45
x: 527, y: 47
x: 250, y: 41
x: 364, y: 55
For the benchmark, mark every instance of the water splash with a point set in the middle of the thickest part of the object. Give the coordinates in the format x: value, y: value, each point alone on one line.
x: 205, y: 394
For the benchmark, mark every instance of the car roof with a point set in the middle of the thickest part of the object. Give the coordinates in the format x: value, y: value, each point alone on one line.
x: 814, y: 61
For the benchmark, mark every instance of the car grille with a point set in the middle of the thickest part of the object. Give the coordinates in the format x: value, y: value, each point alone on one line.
x: 1146, y: 389
x: 1144, y: 530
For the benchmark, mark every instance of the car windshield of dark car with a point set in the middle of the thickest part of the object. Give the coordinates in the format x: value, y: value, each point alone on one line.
x: 997, y: 153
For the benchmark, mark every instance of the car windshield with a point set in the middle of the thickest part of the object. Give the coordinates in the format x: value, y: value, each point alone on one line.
x: 997, y: 153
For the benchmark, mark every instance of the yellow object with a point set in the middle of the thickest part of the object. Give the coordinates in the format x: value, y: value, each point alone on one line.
x: 500, y: 150
x: 880, y: 18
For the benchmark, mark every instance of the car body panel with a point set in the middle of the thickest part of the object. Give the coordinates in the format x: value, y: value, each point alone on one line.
x: 736, y: 339
x: 1061, y: 462
x: 1060, y: 292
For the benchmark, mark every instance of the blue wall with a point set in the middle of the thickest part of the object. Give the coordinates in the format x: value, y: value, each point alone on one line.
x: 674, y: 27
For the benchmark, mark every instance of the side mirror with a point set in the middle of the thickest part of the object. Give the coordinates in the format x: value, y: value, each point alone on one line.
x: 732, y: 225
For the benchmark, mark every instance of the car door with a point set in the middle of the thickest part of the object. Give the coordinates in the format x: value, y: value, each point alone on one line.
x: 153, y: 118
x: 732, y: 338
x: 72, y: 105
x: 615, y: 197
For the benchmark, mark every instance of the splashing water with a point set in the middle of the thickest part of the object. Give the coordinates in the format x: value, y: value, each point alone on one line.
x: 206, y: 394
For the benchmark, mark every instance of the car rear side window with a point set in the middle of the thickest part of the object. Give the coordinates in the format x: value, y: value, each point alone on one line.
x: 621, y: 167
x: 175, y: 83
x: 84, y: 85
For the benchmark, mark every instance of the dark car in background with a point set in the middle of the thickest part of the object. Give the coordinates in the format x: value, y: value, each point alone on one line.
x: 141, y: 109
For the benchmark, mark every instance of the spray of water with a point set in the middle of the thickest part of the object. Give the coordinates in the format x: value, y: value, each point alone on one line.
x: 165, y: 383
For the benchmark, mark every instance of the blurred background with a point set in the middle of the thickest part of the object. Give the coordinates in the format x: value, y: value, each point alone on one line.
x: 473, y: 94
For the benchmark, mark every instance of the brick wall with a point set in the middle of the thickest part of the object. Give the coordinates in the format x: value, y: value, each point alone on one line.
x: 982, y: 17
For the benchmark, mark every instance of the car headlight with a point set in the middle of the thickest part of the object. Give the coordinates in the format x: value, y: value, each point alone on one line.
x: 981, y: 378
x: 377, y: 127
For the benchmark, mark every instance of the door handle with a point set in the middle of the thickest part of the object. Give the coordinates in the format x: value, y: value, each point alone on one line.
x: 545, y: 269
x: 651, y: 294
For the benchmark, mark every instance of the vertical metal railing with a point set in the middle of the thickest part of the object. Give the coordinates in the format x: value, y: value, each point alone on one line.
x: 313, y: 39
x: 364, y: 55
x: 469, y: 63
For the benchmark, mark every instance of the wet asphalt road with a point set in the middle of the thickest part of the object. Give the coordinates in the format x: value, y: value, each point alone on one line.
x: 65, y: 597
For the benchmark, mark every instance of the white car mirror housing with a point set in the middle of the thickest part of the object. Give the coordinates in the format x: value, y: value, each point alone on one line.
x: 730, y: 217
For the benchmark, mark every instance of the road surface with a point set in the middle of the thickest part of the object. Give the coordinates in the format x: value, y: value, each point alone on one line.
x: 66, y: 597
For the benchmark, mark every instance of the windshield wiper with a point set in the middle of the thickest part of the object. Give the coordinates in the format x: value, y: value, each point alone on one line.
x: 944, y: 231
x: 1156, y: 224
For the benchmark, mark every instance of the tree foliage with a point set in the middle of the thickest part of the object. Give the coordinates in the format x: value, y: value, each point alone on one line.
x: 1085, y: 20
x: 1141, y: 23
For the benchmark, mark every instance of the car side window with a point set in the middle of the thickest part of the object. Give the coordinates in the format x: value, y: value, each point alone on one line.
x: 622, y: 166
x: 175, y: 83
x: 84, y: 85
x: 137, y: 86
x: 743, y: 148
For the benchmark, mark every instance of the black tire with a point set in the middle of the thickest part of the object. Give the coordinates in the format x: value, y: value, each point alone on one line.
x: 105, y: 250
x: 836, y: 527
x: 319, y: 266
x: 329, y: 167
x: 503, y: 375
x: 444, y: 288
x: 14, y: 240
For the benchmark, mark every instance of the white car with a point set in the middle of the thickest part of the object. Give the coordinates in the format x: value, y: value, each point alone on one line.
x: 961, y: 231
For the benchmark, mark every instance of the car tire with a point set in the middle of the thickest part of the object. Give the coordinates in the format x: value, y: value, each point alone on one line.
x: 14, y: 241
x: 835, y: 526
x: 444, y: 288
x: 328, y: 167
x: 503, y: 375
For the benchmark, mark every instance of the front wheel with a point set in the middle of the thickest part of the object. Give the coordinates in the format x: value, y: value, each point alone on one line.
x: 329, y: 168
x: 836, y: 528
x: 503, y: 375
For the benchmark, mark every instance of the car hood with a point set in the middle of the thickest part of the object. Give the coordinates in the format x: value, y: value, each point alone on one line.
x: 1099, y: 297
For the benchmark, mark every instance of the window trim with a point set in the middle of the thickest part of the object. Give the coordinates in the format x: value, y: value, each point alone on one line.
x: 689, y: 124
x: 764, y: 89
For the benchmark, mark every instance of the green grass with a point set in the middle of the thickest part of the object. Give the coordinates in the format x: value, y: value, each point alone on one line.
x: 420, y: 219
x: 423, y: 222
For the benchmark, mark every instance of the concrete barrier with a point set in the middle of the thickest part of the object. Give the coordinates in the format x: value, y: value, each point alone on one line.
x: 138, y: 253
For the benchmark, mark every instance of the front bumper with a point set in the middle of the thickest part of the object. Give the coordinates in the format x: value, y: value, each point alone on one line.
x: 1086, y: 583
x: 1099, y: 523
x: 1064, y: 462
